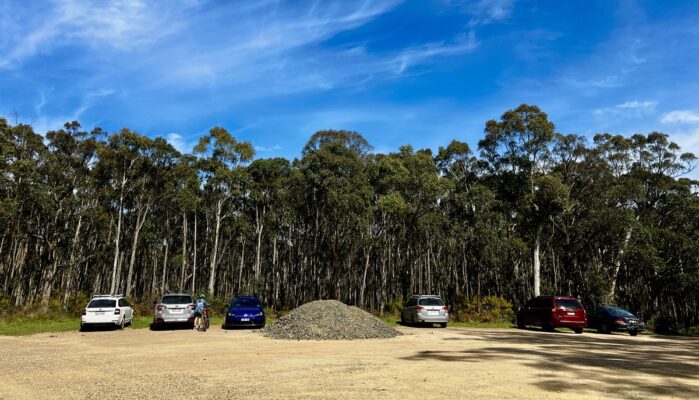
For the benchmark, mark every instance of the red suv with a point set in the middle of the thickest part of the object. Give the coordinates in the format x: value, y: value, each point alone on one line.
x: 552, y: 312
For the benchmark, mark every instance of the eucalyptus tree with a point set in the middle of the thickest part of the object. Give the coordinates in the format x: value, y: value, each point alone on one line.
x: 268, y: 180
x: 517, y: 149
x: 221, y: 157
x: 336, y: 196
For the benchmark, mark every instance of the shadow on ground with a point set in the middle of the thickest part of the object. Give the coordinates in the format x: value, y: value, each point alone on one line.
x: 171, y: 327
x: 608, y: 365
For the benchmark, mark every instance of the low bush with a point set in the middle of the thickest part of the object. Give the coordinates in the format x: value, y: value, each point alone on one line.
x: 493, y: 309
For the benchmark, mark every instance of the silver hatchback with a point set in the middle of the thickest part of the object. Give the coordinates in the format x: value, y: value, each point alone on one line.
x: 174, y: 308
x: 425, y: 309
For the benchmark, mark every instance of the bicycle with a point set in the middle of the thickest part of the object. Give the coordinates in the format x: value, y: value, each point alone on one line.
x: 201, y: 323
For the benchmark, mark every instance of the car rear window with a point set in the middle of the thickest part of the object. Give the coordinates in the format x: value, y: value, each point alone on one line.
x: 102, y: 303
x: 561, y: 303
x: 246, y: 302
x: 619, y: 312
x: 431, y: 302
x: 176, y: 300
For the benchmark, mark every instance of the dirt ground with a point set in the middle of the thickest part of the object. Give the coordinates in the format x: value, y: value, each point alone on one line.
x: 424, y: 363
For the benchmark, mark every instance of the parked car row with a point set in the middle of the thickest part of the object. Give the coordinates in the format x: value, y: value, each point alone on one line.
x: 552, y: 312
x: 549, y: 312
x: 171, y: 309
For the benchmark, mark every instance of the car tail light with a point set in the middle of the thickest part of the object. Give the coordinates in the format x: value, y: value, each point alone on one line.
x: 161, y: 307
x: 191, y: 306
x: 640, y: 321
x: 445, y: 308
x: 84, y: 312
x: 620, y: 321
x: 419, y: 308
x: 117, y: 311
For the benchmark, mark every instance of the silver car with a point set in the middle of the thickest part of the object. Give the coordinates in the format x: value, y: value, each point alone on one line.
x: 425, y: 309
x: 174, y: 308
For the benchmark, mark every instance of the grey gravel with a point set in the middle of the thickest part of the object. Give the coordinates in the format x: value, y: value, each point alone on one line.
x: 329, y: 320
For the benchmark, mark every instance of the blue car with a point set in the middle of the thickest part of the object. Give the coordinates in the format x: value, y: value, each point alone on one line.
x: 245, y: 311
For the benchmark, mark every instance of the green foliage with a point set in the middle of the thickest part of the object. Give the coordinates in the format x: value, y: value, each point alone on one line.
x: 664, y: 324
x: 493, y: 309
x: 612, y: 221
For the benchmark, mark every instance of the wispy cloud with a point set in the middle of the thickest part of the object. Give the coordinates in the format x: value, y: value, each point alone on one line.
x: 268, y: 149
x: 119, y: 24
x: 417, y: 55
x: 680, y: 117
x: 488, y: 11
x: 629, y: 109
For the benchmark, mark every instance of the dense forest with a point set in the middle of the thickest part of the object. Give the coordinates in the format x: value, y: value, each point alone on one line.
x: 610, y: 219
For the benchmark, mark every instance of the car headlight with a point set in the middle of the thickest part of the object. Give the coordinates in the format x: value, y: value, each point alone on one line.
x: 230, y: 314
x: 259, y: 314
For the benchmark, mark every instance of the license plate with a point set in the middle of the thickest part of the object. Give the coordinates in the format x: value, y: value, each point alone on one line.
x: 99, y: 313
x: 245, y: 319
x: 176, y: 311
x: 571, y: 313
x: 433, y: 313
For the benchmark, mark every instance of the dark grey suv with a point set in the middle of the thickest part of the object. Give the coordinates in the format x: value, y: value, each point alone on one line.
x: 425, y: 309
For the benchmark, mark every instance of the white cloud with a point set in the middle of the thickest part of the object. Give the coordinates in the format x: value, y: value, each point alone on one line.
x: 628, y: 109
x: 267, y: 149
x: 680, y: 117
x: 176, y: 140
x: 485, y: 12
x: 639, y: 105
x: 119, y: 24
x: 417, y: 55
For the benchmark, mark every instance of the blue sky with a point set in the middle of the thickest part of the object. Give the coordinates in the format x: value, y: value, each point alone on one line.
x: 398, y: 72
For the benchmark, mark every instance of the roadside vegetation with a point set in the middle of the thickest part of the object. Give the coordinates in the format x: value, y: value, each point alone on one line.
x: 610, y: 219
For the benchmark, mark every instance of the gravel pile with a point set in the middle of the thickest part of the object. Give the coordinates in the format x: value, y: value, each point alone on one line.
x: 329, y: 320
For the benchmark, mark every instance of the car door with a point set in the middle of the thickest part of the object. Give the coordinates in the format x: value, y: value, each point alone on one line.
x: 594, y: 318
x: 129, y: 309
x: 408, y: 310
x: 541, y: 310
x: 527, y: 312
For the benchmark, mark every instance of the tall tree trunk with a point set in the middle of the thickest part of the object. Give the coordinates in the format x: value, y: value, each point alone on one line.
x: 617, y: 265
x: 118, y: 235
x: 141, y: 216
x: 214, y: 253
x: 194, y: 265
x: 537, y: 264
x: 184, y: 250
x: 367, y: 254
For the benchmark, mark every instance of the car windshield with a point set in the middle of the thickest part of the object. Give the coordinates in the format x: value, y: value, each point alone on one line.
x: 431, y: 302
x: 102, y: 303
x: 618, y: 312
x: 561, y: 303
x: 177, y: 300
x: 246, y: 302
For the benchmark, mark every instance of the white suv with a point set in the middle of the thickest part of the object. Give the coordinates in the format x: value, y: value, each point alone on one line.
x: 112, y: 310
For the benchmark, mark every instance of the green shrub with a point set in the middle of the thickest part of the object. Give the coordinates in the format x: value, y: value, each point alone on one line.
x: 664, y: 324
x: 394, y: 307
x: 494, y: 309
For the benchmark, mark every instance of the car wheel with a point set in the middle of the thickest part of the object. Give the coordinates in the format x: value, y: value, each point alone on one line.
x: 521, y: 324
x: 578, y: 330
x: 547, y: 328
x: 443, y: 325
x: 604, y: 329
x: 633, y: 333
x: 82, y: 328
